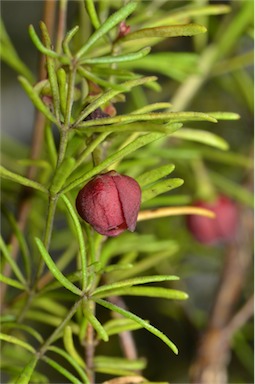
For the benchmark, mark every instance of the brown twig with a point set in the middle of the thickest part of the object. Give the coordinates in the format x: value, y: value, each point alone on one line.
x: 90, y: 352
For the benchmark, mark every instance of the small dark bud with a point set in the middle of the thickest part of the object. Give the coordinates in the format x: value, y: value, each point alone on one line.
x: 110, y: 203
x: 222, y: 228
x: 124, y: 29
x: 96, y: 114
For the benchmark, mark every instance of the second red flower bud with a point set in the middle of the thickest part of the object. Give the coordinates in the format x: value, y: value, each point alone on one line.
x: 221, y: 228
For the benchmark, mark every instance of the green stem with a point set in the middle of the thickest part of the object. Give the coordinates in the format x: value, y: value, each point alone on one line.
x: 70, y: 96
x: 61, y: 326
x: 62, y: 146
x: 48, y: 232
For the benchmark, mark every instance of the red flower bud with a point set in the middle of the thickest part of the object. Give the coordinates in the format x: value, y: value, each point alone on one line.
x: 110, y: 203
x: 222, y: 228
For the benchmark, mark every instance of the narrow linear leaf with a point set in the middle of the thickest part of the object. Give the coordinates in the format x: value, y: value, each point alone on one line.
x: 146, y: 263
x: 113, y: 20
x: 11, y: 282
x: 25, y: 328
x: 166, y: 31
x: 140, y: 321
x: 54, y: 269
x: 155, y: 174
x: 189, y: 11
x: 202, y: 137
x: 152, y: 107
x: 27, y: 372
x: 171, y: 117
x: 87, y: 74
x: 36, y: 100
x: 80, y: 236
x: 62, y: 83
x: 14, y: 340
x: 117, y: 59
x: 164, y: 293
x: 21, y: 240
x: 51, y: 146
x: 225, y: 115
x: 136, y: 127
x: 96, y: 325
x: 134, y: 281
x: 72, y: 361
x: 59, y: 368
x: 90, y: 8
x: 116, y: 326
x: 9, y: 54
x: 14, y: 266
x: 6, y: 174
x: 161, y: 187
x: 69, y: 346
x: 39, y: 45
x: 51, y: 70
x: 70, y: 34
x: 112, y: 362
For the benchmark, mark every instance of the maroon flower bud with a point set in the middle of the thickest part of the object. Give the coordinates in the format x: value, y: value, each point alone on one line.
x: 110, y: 203
x: 222, y: 228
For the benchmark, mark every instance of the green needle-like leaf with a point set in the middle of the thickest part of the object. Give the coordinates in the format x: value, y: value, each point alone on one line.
x: 36, y: 100
x: 140, y: 321
x: 117, y: 59
x: 134, y: 281
x: 14, y: 340
x: 202, y: 137
x: 113, y: 20
x: 11, y: 282
x: 166, y: 31
x: 69, y: 346
x: 26, y: 328
x: 27, y: 372
x: 14, y: 266
x: 72, y: 361
x: 39, y: 45
x: 59, y: 368
x: 54, y: 269
x: 161, y: 187
x: 155, y: 174
x: 80, y: 236
x: 144, y: 291
x: 102, y: 334
x: 4, y: 173
x: 170, y: 117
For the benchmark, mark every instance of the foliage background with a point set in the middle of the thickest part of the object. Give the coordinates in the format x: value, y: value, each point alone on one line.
x: 228, y: 88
